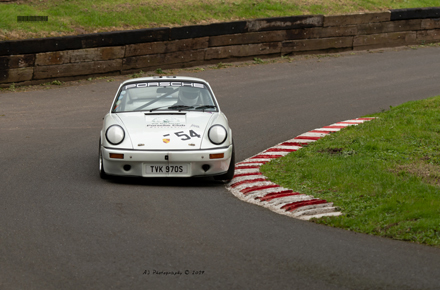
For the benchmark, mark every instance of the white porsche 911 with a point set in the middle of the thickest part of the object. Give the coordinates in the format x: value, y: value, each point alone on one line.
x: 166, y: 127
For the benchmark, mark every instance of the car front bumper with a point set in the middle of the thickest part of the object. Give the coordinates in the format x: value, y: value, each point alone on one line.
x: 141, y: 163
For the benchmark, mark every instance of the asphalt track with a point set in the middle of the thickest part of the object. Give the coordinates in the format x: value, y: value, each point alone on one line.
x: 62, y: 227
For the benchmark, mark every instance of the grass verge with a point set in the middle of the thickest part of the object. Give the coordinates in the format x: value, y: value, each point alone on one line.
x: 383, y: 174
x: 70, y: 17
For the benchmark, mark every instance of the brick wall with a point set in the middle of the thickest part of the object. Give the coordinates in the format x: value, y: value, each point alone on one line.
x: 35, y: 61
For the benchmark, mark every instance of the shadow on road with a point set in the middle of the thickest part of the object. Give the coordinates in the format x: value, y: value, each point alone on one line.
x: 166, y: 181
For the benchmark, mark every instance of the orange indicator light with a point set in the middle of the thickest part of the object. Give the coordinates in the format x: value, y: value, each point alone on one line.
x: 216, y: 156
x: 117, y: 156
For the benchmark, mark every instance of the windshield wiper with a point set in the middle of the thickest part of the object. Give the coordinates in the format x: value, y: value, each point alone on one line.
x: 180, y: 107
x: 206, y: 107
x: 157, y: 108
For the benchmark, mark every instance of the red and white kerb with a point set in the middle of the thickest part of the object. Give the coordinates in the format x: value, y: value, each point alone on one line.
x: 251, y: 186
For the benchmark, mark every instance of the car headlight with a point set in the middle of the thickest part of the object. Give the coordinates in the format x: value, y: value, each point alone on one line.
x: 217, y: 134
x: 115, y: 134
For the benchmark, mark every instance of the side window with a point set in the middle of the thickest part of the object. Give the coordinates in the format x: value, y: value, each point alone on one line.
x: 120, y: 102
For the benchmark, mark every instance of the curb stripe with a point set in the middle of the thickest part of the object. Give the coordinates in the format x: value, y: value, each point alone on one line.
x: 275, y: 193
x: 294, y: 205
x: 247, y: 167
x: 250, y: 163
x: 247, y: 174
x: 269, y: 198
x: 331, y: 129
x: 254, y: 188
x: 280, y: 150
x: 323, y: 132
x: 248, y: 181
x: 293, y: 144
x: 266, y: 156
x: 307, y: 138
x: 335, y: 127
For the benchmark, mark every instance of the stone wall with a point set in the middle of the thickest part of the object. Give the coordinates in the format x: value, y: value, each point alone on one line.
x: 35, y: 61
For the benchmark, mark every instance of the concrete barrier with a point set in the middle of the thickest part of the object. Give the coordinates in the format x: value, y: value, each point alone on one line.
x: 34, y: 61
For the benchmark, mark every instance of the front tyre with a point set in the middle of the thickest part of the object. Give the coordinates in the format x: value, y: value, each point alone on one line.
x: 102, y: 173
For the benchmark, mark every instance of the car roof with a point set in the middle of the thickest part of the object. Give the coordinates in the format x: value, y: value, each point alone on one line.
x: 165, y: 78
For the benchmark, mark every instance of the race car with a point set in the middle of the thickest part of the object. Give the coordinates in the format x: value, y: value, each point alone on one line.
x: 166, y: 127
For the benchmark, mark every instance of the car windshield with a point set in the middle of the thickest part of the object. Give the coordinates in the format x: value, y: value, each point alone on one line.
x: 164, y: 96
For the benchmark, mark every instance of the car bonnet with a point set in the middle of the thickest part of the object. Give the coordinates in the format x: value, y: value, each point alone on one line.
x: 166, y: 131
